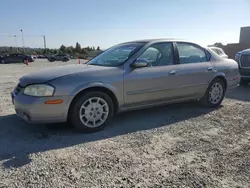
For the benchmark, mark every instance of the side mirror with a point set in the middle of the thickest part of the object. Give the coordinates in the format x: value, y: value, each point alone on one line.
x: 139, y: 63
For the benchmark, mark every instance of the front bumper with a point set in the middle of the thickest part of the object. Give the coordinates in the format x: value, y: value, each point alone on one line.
x: 34, y: 109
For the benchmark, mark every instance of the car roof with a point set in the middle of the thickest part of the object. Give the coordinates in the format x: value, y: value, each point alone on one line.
x: 158, y: 40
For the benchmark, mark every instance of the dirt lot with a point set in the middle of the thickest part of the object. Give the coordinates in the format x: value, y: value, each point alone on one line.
x: 180, y: 145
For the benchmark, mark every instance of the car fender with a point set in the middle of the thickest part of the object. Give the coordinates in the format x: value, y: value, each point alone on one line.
x: 218, y: 74
x: 88, y: 85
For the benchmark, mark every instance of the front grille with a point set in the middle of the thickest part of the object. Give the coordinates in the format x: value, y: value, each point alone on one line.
x: 245, y: 61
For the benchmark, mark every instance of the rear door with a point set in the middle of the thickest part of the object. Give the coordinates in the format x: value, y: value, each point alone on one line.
x: 20, y: 58
x: 195, y: 70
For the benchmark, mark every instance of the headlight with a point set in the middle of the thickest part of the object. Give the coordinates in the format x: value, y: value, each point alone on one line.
x: 39, y: 90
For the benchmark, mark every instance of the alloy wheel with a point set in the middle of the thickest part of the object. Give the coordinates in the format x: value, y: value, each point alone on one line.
x: 216, y: 93
x: 94, y: 112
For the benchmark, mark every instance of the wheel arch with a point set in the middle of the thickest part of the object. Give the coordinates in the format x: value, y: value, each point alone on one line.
x: 220, y: 76
x: 103, y: 89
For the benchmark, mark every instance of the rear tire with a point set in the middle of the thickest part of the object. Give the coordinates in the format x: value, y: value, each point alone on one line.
x: 91, y: 111
x: 214, y: 94
x: 3, y: 61
x: 244, y: 82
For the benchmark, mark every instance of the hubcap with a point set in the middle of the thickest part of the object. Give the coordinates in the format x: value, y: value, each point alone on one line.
x: 94, y: 112
x: 215, y: 93
x: 2, y: 61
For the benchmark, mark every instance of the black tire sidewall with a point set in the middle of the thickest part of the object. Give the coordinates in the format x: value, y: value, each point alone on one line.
x: 206, y: 100
x: 74, y: 118
x: 4, y: 61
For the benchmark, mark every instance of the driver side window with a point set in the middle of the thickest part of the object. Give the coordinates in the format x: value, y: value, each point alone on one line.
x: 159, y: 54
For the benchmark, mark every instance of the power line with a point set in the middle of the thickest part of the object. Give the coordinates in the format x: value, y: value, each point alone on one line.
x: 4, y: 35
x: 25, y: 36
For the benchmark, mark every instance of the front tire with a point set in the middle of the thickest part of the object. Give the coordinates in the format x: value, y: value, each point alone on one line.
x: 65, y: 60
x: 91, y: 112
x: 214, y: 94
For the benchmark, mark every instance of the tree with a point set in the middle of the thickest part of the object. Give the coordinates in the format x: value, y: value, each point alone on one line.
x: 78, y: 48
x: 98, y: 48
x: 93, y: 48
x: 45, y: 51
x: 55, y: 51
x: 88, y: 49
x: 63, y: 49
x: 83, y: 51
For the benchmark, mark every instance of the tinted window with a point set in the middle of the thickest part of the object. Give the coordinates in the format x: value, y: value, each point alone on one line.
x: 159, y: 54
x: 190, y: 53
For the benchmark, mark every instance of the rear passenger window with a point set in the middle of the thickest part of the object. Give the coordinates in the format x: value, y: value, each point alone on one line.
x: 189, y: 53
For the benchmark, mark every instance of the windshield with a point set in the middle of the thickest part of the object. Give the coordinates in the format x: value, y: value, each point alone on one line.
x: 116, y: 55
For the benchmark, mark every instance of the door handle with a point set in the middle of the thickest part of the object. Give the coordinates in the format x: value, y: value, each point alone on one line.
x: 172, y: 72
x: 210, y: 69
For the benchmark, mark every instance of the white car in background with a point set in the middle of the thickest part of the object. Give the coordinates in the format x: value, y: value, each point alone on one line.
x: 219, y: 51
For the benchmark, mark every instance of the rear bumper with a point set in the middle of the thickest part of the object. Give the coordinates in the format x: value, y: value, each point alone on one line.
x: 233, y: 82
x: 34, y: 109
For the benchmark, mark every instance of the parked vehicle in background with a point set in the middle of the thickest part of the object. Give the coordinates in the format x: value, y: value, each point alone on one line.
x: 127, y: 76
x: 243, y: 59
x: 219, y: 51
x: 41, y: 56
x: 59, y: 57
x: 15, y: 58
x: 34, y: 56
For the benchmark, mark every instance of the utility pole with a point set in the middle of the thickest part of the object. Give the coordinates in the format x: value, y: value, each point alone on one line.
x: 44, y: 42
x: 15, y: 39
x: 22, y: 40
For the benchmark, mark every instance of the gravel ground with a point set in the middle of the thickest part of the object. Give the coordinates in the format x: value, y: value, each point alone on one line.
x: 180, y: 145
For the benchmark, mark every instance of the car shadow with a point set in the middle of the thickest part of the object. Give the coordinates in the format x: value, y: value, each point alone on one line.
x: 239, y: 93
x: 18, y: 139
x: 21, y: 62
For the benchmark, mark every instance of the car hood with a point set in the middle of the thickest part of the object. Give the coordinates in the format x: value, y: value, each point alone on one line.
x: 58, y: 72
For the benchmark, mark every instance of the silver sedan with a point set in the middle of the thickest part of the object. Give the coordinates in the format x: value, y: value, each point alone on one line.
x: 127, y: 76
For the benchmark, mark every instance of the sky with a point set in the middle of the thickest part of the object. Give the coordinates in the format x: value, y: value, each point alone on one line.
x: 107, y: 22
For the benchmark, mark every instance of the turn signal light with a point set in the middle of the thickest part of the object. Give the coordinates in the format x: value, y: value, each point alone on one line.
x: 57, y: 101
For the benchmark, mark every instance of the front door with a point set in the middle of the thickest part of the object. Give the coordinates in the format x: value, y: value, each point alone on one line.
x: 155, y: 82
